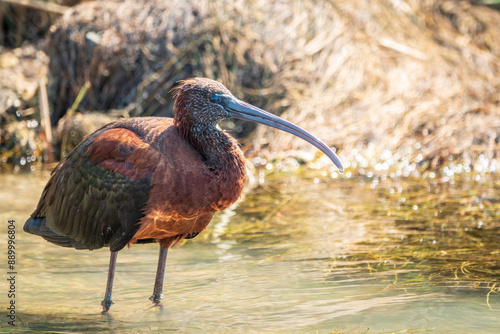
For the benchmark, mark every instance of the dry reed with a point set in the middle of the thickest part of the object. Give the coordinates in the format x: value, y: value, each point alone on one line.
x: 401, y: 82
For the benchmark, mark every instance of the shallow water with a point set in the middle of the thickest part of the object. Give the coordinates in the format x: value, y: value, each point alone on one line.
x: 302, y: 252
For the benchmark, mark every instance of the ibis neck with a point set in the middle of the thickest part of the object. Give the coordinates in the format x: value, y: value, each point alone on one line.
x: 218, y: 149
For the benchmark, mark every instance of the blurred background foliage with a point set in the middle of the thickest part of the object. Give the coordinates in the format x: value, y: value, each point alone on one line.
x: 406, y: 90
x: 389, y: 83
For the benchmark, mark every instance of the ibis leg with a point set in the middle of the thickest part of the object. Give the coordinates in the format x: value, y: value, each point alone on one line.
x: 160, y: 273
x: 107, y: 302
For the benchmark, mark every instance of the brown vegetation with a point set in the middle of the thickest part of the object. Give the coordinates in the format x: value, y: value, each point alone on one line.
x: 401, y: 82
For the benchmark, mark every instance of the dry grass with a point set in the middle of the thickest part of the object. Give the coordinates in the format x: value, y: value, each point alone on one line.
x: 410, y: 78
x: 403, y: 82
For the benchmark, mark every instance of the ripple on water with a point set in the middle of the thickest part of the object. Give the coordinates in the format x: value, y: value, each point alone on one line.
x: 294, y: 255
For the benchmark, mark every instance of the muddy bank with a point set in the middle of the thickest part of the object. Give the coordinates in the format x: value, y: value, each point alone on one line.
x: 391, y: 84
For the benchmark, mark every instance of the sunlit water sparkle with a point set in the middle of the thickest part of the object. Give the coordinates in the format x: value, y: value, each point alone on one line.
x: 302, y: 252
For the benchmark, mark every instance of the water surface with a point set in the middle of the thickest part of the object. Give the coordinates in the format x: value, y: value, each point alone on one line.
x: 301, y: 252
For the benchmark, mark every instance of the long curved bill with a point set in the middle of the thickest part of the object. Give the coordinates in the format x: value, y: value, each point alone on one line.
x: 242, y: 110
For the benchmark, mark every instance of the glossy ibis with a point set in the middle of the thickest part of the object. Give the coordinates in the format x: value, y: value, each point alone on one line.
x: 150, y: 179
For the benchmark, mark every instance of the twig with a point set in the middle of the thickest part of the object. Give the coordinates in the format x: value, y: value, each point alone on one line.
x: 45, y: 120
x: 2, y: 33
x: 70, y: 112
x: 81, y: 95
x: 40, y: 5
x: 403, y: 49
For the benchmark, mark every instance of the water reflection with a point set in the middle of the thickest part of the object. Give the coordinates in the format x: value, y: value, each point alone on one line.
x: 301, y: 252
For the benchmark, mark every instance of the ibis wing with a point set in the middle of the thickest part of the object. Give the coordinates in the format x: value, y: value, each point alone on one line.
x: 96, y: 196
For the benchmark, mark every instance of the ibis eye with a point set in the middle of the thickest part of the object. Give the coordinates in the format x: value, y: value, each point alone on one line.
x: 215, y: 98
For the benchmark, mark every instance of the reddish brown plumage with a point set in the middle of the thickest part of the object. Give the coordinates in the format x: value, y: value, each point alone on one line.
x: 187, y: 191
x: 182, y: 171
x: 145, y: 179
x: 121, y: 151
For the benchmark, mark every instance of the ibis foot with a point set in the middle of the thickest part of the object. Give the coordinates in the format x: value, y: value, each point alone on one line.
x: 160, y: 273
x: 106, y: 304
x: 156, y: 299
